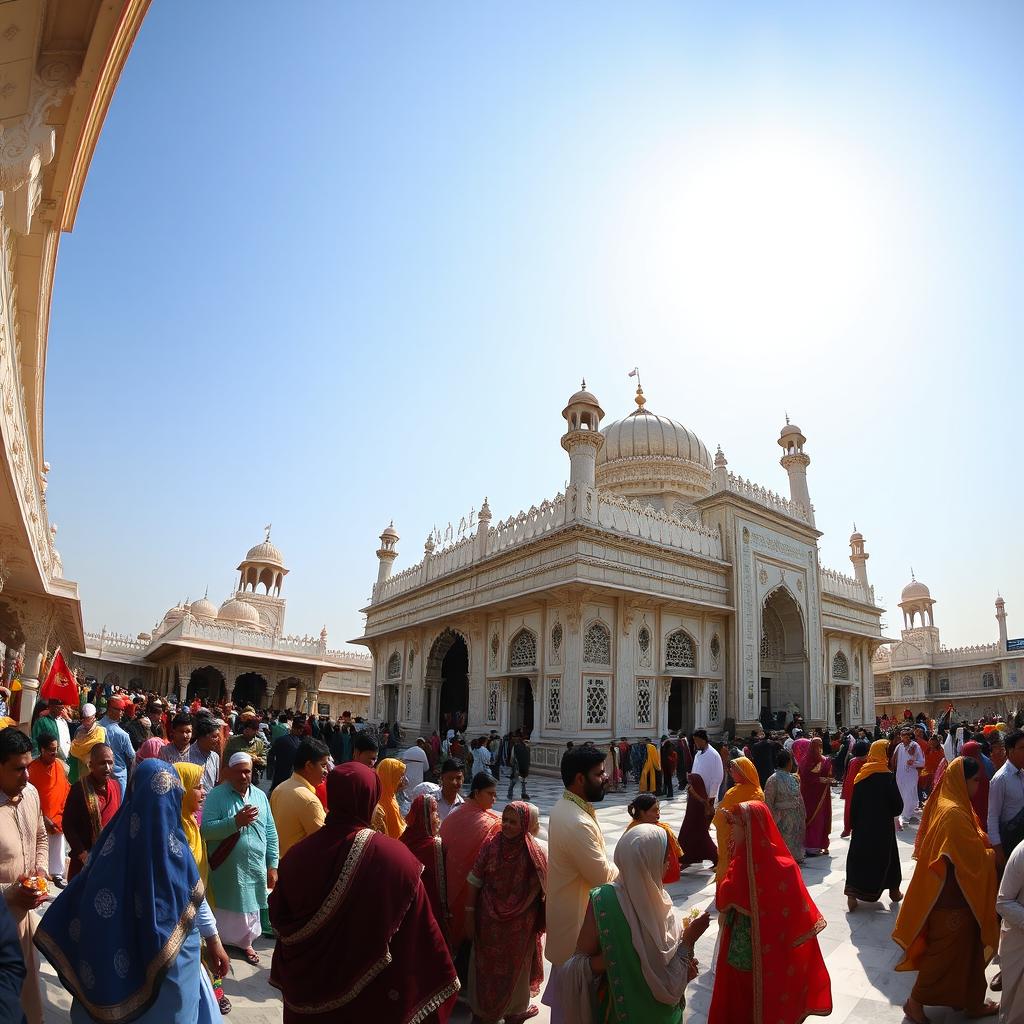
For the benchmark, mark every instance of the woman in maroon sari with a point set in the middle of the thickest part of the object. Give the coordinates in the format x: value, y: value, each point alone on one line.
x: 356, y: 935
x: 816, y: 789
x: 979, y: 801
x: 505, y: 919
x: 423, y: 824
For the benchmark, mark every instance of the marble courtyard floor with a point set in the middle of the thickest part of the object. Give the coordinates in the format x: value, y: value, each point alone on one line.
x: 858, y: 948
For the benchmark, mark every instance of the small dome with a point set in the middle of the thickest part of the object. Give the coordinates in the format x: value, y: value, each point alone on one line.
x: 390, y: 532
x: 644, y: 434
x: 238, y: 612
x: 583, y: 398
x: 915, y: 590
x: 204, y: 609
x: 173, y: 615
x: 265, y: 552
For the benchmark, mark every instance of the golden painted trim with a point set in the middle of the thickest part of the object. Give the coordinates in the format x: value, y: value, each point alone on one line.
x: 435, y: 1002
x: 338, y: 892
x: 159, y: 964
x: 355, y: 990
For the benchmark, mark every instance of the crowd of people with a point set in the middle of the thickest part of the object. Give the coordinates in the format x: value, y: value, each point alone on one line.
x: 392, y: 891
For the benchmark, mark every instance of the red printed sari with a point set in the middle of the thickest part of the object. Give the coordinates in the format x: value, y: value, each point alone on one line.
x: 769, y: 965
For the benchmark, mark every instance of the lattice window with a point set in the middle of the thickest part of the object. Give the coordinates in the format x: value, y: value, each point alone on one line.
x: 716, y: 652
x: 840, y: 666
x: 597, y: 645
x: 643, y: 639
x: 770, y: 648
x: 988, y: 680
x: 714, y: 703
x: 679, y: 652
x: 495, y: 643
x: 944, y: 685
x: 644, y: 703
x: 408, y: 703
x: 492, y: 702
x: 556, y: 643
x: 595, y: 700
x: 908, y: 684
x: 395, y: 666
x: 522, y: 650
x: 554, y: 700
x: 883, y: 687
x: 855, y: 703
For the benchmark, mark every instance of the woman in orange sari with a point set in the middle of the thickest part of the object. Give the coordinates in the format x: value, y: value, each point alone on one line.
x: 746, y: 785
x: 770, y: 967
x: 947, y: 924
x: 645, y: 810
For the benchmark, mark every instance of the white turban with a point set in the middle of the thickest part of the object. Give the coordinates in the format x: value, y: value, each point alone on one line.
x: 238, y: 757
x: 89, y: 711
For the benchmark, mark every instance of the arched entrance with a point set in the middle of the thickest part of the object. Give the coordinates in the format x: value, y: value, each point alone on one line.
x: 205, y: 682
x: 681, y: 708
x: 249, y: 689
x: 448, y: 669
x: 783, y: 658
x: 521, y: 716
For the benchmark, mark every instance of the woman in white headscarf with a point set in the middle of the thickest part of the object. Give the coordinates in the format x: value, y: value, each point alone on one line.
x: 634, y: 940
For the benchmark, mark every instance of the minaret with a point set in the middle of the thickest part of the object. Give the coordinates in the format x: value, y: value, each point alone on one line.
x: 795, y: 463
x: 1001, y: 619
x: 387, y: 552
x: 859, y: 557
x: 583, y: 439
x: 720, y: 476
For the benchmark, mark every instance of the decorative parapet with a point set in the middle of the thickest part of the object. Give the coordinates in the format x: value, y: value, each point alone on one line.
x: 120, y: 643
x: 768, y: 499
x: 839, y: 585
x: 967, y: 655
x: 601, y: 509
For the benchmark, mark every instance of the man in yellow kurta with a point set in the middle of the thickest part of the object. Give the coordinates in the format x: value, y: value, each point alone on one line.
x: 24, y: 850
x: 652, y: 766
x: 577, y: 859
x: 296, y: 807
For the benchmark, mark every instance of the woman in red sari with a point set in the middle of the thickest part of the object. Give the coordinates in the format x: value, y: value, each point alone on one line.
x: 421, y: 836
x: 356, y: 935
x: 816, y: 789
x: 979, y: 799
x: 770, y: 967
x: 505, y: 919
x: 860, y: 755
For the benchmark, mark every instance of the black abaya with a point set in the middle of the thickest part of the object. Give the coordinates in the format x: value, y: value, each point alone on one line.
x: 873, y: 863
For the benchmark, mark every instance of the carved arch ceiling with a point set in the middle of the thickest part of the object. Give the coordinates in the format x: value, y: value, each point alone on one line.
x: 439, y: 648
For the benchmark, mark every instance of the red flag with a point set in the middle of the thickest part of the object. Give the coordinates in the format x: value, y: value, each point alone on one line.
x: 60, y: 682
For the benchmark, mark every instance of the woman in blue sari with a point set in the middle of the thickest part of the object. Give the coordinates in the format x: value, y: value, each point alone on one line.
x: 124, y: 937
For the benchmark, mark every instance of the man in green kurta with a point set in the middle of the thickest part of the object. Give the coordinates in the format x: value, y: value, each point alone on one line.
x: 242, y: 846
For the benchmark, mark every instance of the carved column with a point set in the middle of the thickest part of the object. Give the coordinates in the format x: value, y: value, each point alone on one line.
x: 37, y: 625
x: 572, y: 678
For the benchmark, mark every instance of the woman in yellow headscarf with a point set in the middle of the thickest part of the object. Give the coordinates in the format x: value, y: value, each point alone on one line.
x: 747, y: 787
x: 947, y: 924
x: 191, y: 776
x: 387, y: 817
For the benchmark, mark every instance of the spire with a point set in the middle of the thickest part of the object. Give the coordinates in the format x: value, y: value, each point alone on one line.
x: 266, y: 539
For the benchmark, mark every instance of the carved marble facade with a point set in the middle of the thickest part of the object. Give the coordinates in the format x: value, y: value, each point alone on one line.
x: 633, y: 603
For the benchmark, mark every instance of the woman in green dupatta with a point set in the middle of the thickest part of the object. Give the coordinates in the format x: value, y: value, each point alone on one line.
x: 633, y: 936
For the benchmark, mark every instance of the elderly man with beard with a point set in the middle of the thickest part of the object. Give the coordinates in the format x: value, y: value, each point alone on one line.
x: 577, y: 862
x: 93, y: 800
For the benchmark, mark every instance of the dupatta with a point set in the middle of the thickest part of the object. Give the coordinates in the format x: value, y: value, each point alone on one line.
x: 130, y: 908
x: 764, y: 885
x: 391, y: 771
x: 877, y: 761
x: 950, y: 834
x: 463, y: 832
x: 190, y: 774
x: 815, y: 778
x: 741, y: 792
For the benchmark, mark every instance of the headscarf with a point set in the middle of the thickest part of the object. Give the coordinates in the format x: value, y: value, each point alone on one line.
x: 764, y: 884
x: 346, y: 872
x: 980, y: 799
x: 800, y: 748
x: 391, y: 771
x: 951, y: 835
x: 739, y: 793
x: 86, y: 738
x: 422, y: 838
x: 131, y: 907
x: 652, y: 919
x: 190, y: 774
x: 149, y: 748
x: 878, y: 761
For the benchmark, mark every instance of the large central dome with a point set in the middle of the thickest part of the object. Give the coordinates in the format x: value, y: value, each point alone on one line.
x: 655, y: 460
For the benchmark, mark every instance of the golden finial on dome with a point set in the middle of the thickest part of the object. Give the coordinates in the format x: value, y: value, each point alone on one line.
x: 639, y: 399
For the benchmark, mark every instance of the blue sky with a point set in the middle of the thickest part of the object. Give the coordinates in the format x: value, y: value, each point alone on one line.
x: 345, y: 266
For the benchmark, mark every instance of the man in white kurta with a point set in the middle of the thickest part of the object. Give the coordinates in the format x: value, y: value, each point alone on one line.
x: 708, y: 765
x: 908, y: 760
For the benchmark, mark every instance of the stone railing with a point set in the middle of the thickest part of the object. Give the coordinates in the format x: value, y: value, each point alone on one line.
x: 122, y: 643
x: 620, y: 515
x: 768, y: 499
x: 596, y: 508
x: 839, y: 585
x: 966, y: 655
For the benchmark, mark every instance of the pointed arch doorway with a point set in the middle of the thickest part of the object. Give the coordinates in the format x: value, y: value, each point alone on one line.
x: 782, y: 663
x: 448, y: 673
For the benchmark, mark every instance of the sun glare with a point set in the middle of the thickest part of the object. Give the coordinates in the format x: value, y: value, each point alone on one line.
x: 748, y: 240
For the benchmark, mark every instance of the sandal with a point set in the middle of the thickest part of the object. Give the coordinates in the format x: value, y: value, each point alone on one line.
x: 251, y: 957
x: 225, y: 1005
x: 997, y: 982
x: 911, y: 1017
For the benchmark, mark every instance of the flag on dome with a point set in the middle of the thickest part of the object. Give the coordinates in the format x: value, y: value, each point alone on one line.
x: 60, y: 682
